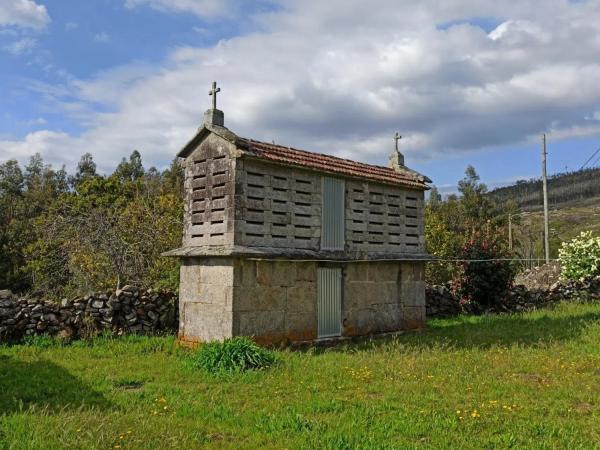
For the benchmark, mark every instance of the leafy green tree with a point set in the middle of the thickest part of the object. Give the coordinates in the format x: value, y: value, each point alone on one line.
x: 12, y: 184
x: 130, y: 170
x: 86, y: 168
x: 451, y: 223
x: 477, y: 206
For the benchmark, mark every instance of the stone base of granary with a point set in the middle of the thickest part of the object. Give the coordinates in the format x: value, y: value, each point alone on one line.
x: 275, y: 302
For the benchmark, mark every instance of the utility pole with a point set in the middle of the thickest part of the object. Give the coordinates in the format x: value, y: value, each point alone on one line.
x: 510, y: 242
x: 545, y: 188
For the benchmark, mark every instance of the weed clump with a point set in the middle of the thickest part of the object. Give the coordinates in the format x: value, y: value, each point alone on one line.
x: 234, y: 355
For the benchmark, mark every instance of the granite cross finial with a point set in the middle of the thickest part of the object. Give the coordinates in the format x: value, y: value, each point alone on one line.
x: 213, y: 92
x: 397, y: 137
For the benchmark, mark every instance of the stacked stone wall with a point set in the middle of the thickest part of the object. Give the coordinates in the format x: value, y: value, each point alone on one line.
x: 441, y: 301
x: 127, y: 310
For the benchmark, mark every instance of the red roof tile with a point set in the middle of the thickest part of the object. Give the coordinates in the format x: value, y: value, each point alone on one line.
x: 327, y: 163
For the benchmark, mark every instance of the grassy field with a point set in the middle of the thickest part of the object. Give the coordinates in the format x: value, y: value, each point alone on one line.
x: 521, y: 381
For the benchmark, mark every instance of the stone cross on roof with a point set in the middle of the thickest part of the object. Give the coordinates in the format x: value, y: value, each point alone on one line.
x: 396, y: 158
x: 397, y: 137
x: 213, y: 92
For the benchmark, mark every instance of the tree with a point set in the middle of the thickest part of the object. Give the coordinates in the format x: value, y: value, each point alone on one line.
x: 174, y: 177
x: 435, y: 197
x: 451, y: 223
x: 12, y: 183
x: 85, y: 168
x: 478, y: 208
x: 130, y: 170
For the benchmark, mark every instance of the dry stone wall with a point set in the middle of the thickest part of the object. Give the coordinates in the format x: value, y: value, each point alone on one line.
x: 441, y: 301
x: 127, y: 310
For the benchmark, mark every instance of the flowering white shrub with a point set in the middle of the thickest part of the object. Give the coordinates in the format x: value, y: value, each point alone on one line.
x: 580, y: 258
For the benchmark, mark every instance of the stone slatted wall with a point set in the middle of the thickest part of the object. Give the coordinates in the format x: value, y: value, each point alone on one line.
x: 281, y: 207
x: 382, y: 218
x: 210, y: 188
x: 278, y: 206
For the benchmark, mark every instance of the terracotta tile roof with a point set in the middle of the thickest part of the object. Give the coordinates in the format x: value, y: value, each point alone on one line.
x: 332, y: 164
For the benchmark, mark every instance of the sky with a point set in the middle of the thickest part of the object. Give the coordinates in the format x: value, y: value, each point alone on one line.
x: 464, y: 81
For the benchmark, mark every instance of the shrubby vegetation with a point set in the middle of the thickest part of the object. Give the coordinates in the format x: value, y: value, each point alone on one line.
x: 459, y: 219
x: 237, y: 354
x: 486, y: 275
x: 62, y: 234
x: 470, y: 226
x: 580, y: 258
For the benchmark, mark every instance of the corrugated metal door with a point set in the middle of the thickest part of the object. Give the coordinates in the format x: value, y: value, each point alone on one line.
x: 329, y: 301
x: 332, y: 228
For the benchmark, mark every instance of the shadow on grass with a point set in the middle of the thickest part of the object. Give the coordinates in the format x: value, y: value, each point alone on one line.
x: 467, y: 332
x: 42, y: 384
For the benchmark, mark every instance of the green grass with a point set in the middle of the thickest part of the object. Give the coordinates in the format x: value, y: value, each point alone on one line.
x: 522, y: 381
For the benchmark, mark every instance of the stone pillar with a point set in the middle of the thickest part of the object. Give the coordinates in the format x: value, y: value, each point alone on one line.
x: 206, y: 299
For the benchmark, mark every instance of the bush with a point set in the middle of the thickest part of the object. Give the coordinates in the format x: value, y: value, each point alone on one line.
x: 486, y: 277
x: 237, y: 354
x: 580, y: 258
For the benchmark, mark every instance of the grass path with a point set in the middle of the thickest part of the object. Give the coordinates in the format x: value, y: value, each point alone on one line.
x: 521, y: 381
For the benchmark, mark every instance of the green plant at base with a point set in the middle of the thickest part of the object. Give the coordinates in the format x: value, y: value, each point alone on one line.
x: 580, y: 258
x: 237, y: 354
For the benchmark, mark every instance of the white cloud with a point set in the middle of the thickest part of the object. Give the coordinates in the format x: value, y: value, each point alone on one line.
x: 23, y: 46
x: 102, y: 37
x: 201, y: 8
x: 69, y: 26
x: 342, y: 76
x: 54, y: 146
x: 23, y: 13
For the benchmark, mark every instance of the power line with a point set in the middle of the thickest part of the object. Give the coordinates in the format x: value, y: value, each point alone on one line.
x: 590, y: 158
x: 596, y: 161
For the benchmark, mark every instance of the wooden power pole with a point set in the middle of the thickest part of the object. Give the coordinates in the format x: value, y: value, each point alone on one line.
x: 510, y: 239
x: 545, y: 188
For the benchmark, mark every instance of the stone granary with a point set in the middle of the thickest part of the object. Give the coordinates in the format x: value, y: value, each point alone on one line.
x: 287, y: 245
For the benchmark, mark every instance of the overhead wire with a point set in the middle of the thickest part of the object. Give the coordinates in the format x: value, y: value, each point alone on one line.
x: 590, y: 158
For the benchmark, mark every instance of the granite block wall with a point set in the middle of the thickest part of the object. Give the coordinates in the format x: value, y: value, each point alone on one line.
x: 276, y: 301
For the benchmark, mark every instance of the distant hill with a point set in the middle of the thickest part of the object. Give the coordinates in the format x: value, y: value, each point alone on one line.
x: 563, y: 188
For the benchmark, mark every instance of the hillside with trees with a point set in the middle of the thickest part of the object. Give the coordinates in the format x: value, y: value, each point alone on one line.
x: 569, y: 187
